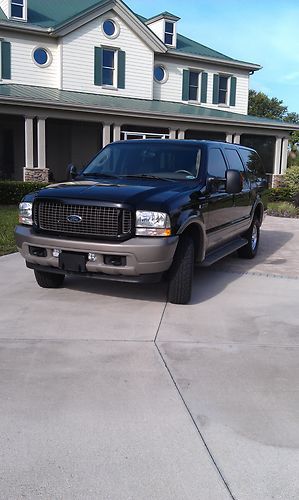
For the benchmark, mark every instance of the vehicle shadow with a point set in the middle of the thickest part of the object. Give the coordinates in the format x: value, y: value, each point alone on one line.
x: 268, y: 261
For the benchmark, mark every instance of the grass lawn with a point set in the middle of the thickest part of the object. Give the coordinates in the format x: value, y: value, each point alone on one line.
x: 8, y: 220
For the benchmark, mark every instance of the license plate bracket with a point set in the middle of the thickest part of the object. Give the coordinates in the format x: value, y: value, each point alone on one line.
x: 73, y: 262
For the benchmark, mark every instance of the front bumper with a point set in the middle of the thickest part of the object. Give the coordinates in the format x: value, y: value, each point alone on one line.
x: 143, y: 256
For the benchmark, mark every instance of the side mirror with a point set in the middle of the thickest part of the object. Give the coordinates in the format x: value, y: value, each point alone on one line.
x: 71, y: 172
x: 234, y: 182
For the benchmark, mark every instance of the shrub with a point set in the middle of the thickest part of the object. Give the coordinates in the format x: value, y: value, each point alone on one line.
x: 278, y: 194
x: 283, y: 209
x: 12, y: 192
x: 291, y: 180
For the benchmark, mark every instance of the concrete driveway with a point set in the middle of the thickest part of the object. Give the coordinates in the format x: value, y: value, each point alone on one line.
x: 107, y: 392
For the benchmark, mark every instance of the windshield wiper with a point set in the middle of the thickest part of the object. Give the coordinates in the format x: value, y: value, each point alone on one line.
x: 98, y: 174
x: 147, y: 176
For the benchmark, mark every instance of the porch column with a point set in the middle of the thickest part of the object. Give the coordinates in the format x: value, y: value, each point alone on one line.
x: 172, y: 134
x: 237, y: 139
x: 28, y: 142
x: 284, y: 155
x: 106, y: 134
x: 277, y: 157
x: 41, y: 143
x: 181, y: 134
x: 116, y: 133
x: 229, y: 137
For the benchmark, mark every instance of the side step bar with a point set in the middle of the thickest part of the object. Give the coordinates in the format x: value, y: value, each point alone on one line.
x: 227, y: 249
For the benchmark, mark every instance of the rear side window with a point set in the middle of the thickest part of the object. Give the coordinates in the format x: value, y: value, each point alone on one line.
x: 253, y: 164
x: 216, y: 163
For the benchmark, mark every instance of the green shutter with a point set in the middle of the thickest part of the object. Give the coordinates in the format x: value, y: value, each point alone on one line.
x: 6, y: 60
x: 233, y: 88
x: 204, y: 87
x: 98, y: 65
x: 216, y: 89
x: 121, y: 73
x: 186, y: 80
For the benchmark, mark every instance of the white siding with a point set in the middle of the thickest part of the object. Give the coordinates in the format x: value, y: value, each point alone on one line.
x: 172, y: 89
x: 4, y: 4
x: 78, y: 60
x: 158, y: 28
x: 23, y: 69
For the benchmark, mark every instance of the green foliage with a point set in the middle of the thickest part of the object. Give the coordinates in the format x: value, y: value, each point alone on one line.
x: 12, y: 192
x: 292, y: 118
x: 283, y: 209
x: 261, y: 105
x: 8, y: 220
x: 291, y: 180
x: 278, y: 194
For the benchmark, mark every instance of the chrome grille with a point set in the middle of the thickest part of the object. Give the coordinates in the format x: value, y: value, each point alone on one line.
x: 98, y: 221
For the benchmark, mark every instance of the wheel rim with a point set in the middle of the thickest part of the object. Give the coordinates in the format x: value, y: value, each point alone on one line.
x: 254, y: 237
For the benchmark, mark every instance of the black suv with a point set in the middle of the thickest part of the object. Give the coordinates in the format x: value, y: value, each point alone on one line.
x: 144, y: 209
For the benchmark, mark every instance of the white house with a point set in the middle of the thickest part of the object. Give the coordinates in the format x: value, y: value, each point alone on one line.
x: 78, y: 74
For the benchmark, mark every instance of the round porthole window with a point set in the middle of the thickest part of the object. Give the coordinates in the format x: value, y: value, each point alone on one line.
x: 41, y: 56
x: 160, y: 74
x: 110, y: 28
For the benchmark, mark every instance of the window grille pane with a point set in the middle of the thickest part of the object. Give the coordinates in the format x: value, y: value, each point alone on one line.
x: 108, y: 58
x: 168, y: 39
x: 17, y: 11
x: 223, y: 82
x: 168, y: 27
x: 193, y: 80
x: 193, y: 94
x: 222, y: 96
x: 107, y: 76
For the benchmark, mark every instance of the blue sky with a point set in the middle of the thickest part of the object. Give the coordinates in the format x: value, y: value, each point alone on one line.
x: 259, y: 31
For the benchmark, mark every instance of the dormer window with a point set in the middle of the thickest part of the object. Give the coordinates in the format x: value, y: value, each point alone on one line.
x: 18, y: 9
x: 169, y: 33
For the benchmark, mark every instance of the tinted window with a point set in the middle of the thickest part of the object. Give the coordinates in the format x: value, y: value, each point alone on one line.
x: 216, y: 163
x: 234, y: 160
x: 252, y: 163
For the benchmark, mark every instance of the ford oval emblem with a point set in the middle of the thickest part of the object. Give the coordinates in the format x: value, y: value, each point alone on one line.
x: 74, y: 218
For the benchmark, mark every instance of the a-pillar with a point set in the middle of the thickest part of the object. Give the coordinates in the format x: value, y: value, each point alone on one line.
x: 106, y: 134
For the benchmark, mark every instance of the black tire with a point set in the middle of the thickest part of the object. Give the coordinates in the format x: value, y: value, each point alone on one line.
x: 249, y: 251
x: 181, y: 273
x: 48, y: 280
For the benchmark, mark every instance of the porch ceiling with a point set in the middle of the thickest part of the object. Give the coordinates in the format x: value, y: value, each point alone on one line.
x: 44, y: 97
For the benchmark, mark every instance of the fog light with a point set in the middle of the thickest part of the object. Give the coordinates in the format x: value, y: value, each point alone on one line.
x: 92, y: 257
x: 56, y: 252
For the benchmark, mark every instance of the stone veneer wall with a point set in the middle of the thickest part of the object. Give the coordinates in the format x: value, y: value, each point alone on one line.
x: 36, y: 174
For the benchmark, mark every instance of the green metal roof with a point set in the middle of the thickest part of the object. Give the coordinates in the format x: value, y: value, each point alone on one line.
x: 186, y: 45
x: 79, y: 101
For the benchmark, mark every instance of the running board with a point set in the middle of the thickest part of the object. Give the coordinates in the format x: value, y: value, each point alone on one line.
x: 223, y: 251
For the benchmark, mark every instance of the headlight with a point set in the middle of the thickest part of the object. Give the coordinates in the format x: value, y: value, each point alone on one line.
x: 152, y: 224
x: 25, y: 213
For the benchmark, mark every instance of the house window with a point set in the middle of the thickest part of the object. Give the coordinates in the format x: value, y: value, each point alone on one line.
x: 193, y: 85
x: 41, y: 56
x: 223, y: 90
x: 160, y: 74
x: 108, y: 69
x: 169, y: 33
x: 110, y: 28
x: 17, y: 9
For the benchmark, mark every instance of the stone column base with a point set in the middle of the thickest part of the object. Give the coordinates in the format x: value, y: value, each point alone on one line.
x: 276, y: 180
x: 36, y: 174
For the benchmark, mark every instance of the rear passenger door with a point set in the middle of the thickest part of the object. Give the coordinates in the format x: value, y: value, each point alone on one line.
x: 220, y: 203
x: 241, y: 201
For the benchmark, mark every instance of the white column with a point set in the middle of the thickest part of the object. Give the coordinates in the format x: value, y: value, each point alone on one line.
x: 229, y: 138
x: 28, y: 142
x: 277, y: 157
x: 172, y: 134
x: 284, y: 155
x: 41, y: 143
x: 116, y: 133
x: 181, y: 134
x: 106, y: 134
x: 237, y: 139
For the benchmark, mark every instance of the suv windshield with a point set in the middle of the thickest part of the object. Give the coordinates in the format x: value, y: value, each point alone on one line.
x: 145, y: 159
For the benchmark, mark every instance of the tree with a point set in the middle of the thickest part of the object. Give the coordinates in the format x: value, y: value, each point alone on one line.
x: 260, y: 104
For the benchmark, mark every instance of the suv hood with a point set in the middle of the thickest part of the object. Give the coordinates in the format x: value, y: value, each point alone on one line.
x: 134, y: 192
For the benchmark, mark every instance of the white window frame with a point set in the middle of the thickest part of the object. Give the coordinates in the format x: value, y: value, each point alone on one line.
x: 174, y: 35
x: 24, y: 18
x: 199, y: 72
x: 226, y: 103
x: 143, y: 135
x: 115, y: 73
